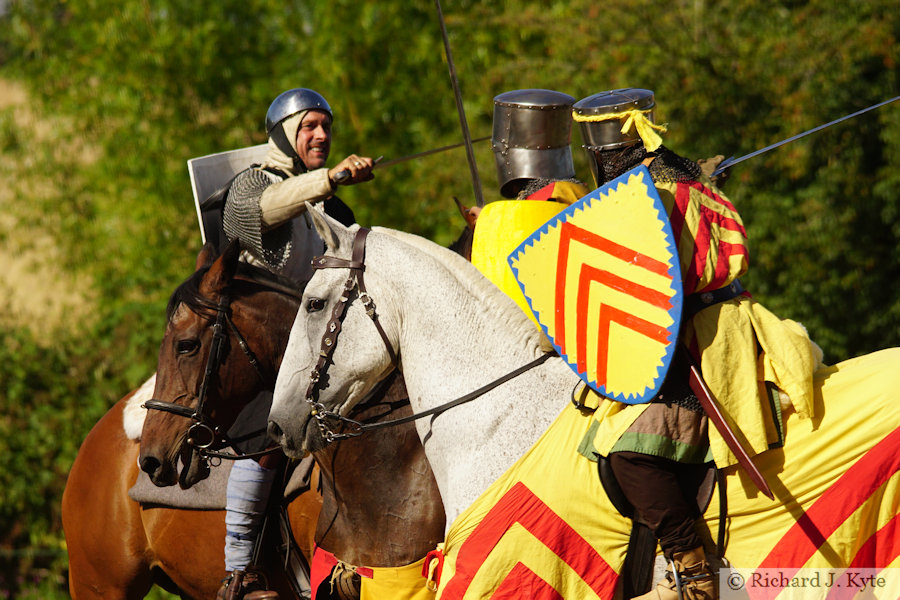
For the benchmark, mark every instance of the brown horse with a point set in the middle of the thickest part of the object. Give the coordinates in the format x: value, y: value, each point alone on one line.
x: 119, y: 549
x: 355, y: 481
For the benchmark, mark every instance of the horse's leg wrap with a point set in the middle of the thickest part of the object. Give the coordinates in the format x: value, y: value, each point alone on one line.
x: 247, y: 497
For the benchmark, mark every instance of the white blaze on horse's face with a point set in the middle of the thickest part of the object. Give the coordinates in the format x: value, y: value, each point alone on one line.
x: 359, y: 359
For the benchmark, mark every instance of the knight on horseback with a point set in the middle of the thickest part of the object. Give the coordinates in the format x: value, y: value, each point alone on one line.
x: 753, y: 362
x: 263, y: 207
x: 531, y: 142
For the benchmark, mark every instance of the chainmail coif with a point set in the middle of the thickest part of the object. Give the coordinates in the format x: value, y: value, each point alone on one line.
x: 536, y: 185
x: 667, y: 168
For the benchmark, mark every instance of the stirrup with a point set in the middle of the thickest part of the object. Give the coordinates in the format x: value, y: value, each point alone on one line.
x: 234, y: 586
x: 680, y: 579
x: 676, y: 577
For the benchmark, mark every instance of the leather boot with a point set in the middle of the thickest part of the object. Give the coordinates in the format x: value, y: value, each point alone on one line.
x: 698, y: 582
x: 245, y: 585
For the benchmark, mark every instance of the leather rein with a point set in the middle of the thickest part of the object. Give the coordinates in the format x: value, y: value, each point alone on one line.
x: 204, y: 432
x: 356, y: 283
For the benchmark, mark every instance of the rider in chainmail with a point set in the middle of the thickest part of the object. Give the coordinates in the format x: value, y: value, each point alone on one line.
x: 752, y: 360
x: 265, y: 203
x: 264, y: 207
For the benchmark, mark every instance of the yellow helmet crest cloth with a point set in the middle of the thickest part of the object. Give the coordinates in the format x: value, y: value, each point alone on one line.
x: 603, y: 279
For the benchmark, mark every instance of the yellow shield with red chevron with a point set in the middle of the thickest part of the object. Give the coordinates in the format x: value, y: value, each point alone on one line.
x: 603, y: 279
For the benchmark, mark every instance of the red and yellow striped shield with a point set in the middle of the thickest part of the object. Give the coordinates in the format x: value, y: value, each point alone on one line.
x: 603, y: 279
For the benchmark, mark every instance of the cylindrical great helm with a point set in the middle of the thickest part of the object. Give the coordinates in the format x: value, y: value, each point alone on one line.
x: 607, y: 134
x: 531, y: 136
x: 288, y: 104
x: 602, y: 118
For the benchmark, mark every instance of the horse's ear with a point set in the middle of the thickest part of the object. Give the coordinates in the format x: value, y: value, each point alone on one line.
x: 222, y: 270
x: 469, y: 214
x: 206, y: 257
x: 320, y: 221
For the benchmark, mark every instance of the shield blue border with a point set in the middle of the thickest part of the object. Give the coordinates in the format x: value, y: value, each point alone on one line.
x: 674, y: 272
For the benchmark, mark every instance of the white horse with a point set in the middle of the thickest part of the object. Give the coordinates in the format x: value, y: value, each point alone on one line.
x: 454, y: 332
x: 468, y: 338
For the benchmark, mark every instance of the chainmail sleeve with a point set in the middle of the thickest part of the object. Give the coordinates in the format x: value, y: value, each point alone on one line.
x: 242, y: 219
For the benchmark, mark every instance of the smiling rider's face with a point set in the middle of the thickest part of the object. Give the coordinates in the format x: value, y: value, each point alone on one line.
x: 314, y: 139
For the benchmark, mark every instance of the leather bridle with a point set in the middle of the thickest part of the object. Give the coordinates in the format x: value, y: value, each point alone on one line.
x: 355, y: 283
x: 204, y: 432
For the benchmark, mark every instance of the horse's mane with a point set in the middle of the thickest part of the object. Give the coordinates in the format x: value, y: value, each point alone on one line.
x: 188, y: 293
x: 500, y: 306
x: 463, y: 244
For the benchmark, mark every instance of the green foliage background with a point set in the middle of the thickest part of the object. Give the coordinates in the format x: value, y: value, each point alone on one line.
x: 149, y: 85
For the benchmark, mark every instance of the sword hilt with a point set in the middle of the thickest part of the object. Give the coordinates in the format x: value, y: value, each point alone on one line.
x: 344, y: 175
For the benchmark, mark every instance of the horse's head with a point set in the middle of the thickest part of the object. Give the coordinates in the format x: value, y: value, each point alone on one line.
x: 227, y: 328
x: 341, y: 344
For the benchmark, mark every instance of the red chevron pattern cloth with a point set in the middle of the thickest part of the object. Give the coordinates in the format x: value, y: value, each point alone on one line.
x: 712, y: 242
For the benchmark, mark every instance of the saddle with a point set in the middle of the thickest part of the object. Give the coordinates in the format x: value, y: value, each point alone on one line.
x: 209, y: 494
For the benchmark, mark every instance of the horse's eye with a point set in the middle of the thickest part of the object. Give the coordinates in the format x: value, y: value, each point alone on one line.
x: 187, y: 346
x: 315, y: 305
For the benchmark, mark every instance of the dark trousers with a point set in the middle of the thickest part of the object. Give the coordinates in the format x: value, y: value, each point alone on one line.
x: 664, y: 494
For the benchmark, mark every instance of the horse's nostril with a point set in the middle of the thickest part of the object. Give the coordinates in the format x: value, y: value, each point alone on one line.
x: 150, y: 465
x: 275, y: 432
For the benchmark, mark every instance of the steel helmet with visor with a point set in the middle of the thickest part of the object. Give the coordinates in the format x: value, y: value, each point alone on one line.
x: 531, y: 137
x: 615, y: 120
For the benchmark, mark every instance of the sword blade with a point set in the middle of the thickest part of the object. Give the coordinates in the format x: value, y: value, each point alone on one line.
x: 402, y: 159
x: 730, y: 162
x: 343, y: 175
x: 708, y: 401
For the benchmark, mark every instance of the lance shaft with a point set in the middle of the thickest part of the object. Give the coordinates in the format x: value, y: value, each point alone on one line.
x: 470, y: 154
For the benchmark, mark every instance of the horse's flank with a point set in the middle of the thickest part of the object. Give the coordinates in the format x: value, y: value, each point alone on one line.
x: 119, y: 549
